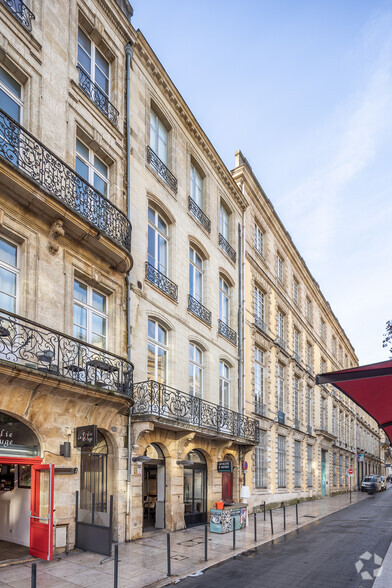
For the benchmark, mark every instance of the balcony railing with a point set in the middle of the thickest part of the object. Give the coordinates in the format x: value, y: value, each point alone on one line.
x: 260, y: 407
x: 98, y: 96
x: 199, y: 310
x: 281, y: 343
x: 161, y: 169
x: 199, y: 214
x: 260, y: 324
x: 227, y: 332
x: 20, y: 11
x: 227, y: 248
x: 30, y: 345
x: 160, y: 400
x: 161, y: 281
x: 22, y: 150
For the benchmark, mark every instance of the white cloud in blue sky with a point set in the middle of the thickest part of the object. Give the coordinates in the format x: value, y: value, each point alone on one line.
x: 305, y: 90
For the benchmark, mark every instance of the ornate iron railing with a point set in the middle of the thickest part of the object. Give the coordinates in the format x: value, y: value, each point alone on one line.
x: 160, y: 400
x: 227, y: 332
x: 98, y: 96
x: 20, y: 11
x: 227, y: 248
x: 30, y: 345
x: 22, y: 150
x: 199, y: 214
x: 199, y: 310
x: 161, y: 169
x: 260, y: 324
x: 161, y: 281
x: 281, y: 343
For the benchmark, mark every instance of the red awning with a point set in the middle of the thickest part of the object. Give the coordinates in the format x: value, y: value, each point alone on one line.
x: 370, y: 386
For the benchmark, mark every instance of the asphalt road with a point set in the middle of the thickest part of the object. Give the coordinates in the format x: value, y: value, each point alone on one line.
x: 321, y: 555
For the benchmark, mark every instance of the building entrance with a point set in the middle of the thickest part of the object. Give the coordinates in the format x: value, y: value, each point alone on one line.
x: 195, y: 489
x: 323, y: 472
x: 227, y: 484
x: 154, y: 489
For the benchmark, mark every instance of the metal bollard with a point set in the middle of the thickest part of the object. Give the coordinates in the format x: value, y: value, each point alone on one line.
x: 206, y: 543
x: 264, y: 509
x: 116, y: 566
x: 284, y: 517
x: 255, y: 526
x: 296, y: 512
x: 34, y: 575
x: 233, y: 533
x: 168, y: 555
x: 272, y: 524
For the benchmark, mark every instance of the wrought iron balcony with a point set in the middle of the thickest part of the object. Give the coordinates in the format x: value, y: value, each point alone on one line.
x: 281, y: 343
x: 30, y: 345
x: 161, y: 281
x: 227, y: 332
x: 98, y: 96
x: 160, y: 400
x: 161, y: 169
x: 260, y: 324
x: 199, y: 214
x: 22, y: 150
x: 199, y: 310
x: 227, y: 248
x: 260, y: 408
x: 20, y: 11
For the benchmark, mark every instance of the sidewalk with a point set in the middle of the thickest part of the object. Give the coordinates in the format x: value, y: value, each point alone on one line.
x: 144, y: 562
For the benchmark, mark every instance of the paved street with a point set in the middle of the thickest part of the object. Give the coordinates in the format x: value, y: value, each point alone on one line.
x: 320, y: 555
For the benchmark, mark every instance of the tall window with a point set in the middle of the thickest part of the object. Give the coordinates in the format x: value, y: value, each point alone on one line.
x: 323, y: 415
x: 309, y: 451
x: 334, y: 409
x: 90, y: 315
x: 159, y: 138
x: 323, y: 366
x: 91, y: 168
x: 280, y: 325
x: 340, y: 470
x: 340, y: 427
x: 10, y: 96
x: 281, y: 461
x: 279, y: 269
x: 195, y: 275
x: 224, y: 222
x: 9, y: 273
x: 195, y: 371
x: 295, y: 291
x: 296, y: 342
x: 196, y: 187
x: 346, y: 470
x: 259, y: 380
x: 322, y: 330
x: 334, y: 345
x: 261, y: 462
x: 309, y: 407
x: 259, y: 301
x: 224, y: 308
x: 157, y: 352
x: 334, y: 481
x: 297, y: 464
x: 280, y: 382
x: 308, y: 356
x: 224, y: 384
x: 93, y: 62
x: 308, y: 306
x: 157, y: 241
x: 296, y: 401
x: 259, y: 240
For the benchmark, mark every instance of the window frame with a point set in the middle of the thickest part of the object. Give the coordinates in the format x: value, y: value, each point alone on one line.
x: 297, y: 464
x: 224, y: 222
x: 194, y: 366
x: 258, y: 378
x: 19, y: 101
x: 15, y: 270
x: 158, y: 233
x: 94, y: 64
x: 224, y: 296
x: 90, y: 310
x: 193, y: 269
x: 259, y: 303
x: 281, y: 458
x: 159, y: 126
x: 224, y: 383
x: 194, y: 177
x: 280, y: 388
x: 261, y: 461
x: 154, y: 342
x: 280, y: 268
x: 90, y: 164
x: 259, y: 240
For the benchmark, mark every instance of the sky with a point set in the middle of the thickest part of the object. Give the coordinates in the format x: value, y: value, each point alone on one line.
x: 304, y: 89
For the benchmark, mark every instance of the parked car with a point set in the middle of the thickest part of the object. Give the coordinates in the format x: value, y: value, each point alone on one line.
x: 383, y: 483
x: 368, y: 481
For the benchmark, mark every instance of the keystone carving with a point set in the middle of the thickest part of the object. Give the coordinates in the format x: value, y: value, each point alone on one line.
x: 137, y: 431
x: 183, y: 443
x: 56, y: 231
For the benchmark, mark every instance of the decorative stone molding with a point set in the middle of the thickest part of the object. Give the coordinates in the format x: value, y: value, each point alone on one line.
x: 138, y: 429
x: 56, y: 231
x: 183, y: 444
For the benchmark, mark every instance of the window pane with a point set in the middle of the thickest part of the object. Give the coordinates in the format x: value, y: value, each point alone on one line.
x: 80, y: 316
x: 100, y: 185
x: 84, y: 60
x: 84, y: 41
x: 101, y: 80
x: 161, y: 335
x: 151, y: 362
x: 80, y: 291
x: 99, y: 301
x: 79, y: 333
x: 151, y: 215
x: 153, y: 131
x: 9, y: 106
x: 7, y: 282
x: 7, y: 302
x: 8, y: 252
x: 161, y: 365
x: 82, y: 149
x: 98, y: 325
x: 162, y: 226
x: 102, y: 63
x: 151, y: 246
x: 10, y: 83
x: 100, y: 166
x: 151, y: 329
x: 162, y: 254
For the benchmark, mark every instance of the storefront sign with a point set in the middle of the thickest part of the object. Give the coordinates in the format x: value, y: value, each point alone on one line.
x: 225, y: 466
x: 137, y: 470
x: 86, y: 436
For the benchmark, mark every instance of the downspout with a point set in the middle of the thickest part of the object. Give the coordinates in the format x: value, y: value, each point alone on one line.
x: 239, y: 319
x: 128, y: 56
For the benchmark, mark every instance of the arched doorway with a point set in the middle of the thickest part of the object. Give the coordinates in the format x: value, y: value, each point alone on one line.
x: 154, y: 483
x: 94, y: 476
x: 227, y: 483
x: 195, y: 489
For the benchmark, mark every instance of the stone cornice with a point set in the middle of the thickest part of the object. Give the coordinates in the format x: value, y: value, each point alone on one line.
x: 117, y: 19
x: 160, y: 77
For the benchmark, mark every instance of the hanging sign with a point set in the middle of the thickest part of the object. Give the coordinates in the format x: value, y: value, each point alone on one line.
x: 225, y: 466
x: 86, y: 436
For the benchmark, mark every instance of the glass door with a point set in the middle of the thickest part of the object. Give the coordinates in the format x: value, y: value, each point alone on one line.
x: 323, y: 473
x: 41, y: 512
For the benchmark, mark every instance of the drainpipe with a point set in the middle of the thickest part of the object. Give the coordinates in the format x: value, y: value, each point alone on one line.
x: 128, y: 56
x: 239, y: 319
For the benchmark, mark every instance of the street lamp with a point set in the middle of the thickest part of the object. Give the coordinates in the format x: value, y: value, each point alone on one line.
x: 141, y: 458
x: 185, y: 462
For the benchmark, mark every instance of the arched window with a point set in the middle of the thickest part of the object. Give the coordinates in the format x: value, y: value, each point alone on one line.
x: 157, y: 241
x: 195, y: 275
x: 157, y: 352
x: 224, y: 384
x: 195, y: 371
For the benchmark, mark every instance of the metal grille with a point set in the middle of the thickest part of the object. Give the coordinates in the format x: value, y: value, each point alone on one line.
x: 22, y: 150
x: 94, y: 481
x: 98, y: 96
x: 227, y: 248
x: 199, y: 310
x: 227, y: 332
x: 161, y: 281
x: 281, y: 461
x: 297, y: 464
x: 161, y: 169
x: 20, y: 11
x: 261, y: 462
x: 199, y: 214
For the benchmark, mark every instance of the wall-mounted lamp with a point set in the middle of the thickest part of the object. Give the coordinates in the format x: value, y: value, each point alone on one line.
x: 141, y: 458
x: 65, y: 449
x: 185, y: 462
